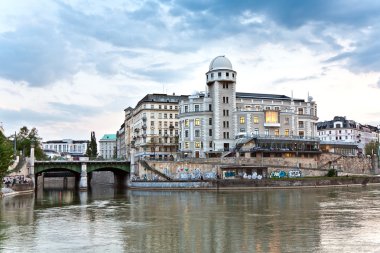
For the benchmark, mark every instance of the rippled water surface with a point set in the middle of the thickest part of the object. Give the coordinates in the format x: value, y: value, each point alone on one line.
x: 106, y: 220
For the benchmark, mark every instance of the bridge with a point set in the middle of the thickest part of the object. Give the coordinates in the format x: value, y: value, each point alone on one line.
x: 82, y: 170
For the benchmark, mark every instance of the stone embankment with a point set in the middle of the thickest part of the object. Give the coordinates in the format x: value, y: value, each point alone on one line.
x: 244, y: 184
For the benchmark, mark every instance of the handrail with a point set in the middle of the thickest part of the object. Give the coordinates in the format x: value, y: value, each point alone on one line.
x: 148, y: 167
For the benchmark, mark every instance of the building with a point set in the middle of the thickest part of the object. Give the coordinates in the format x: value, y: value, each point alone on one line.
x: 344, y: 136
x: 66, y: 147
x: 107, y: 146
x: 151, y: 128
x: 120, y: 143
x: 210, y: 120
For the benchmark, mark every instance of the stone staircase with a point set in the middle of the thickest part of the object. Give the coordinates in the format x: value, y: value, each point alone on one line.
x: 157, y: 172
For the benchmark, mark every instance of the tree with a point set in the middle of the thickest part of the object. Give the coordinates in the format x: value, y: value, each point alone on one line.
x: 6, y: 155
x: 24, y: 141
x: 92, y: 148
x: 371, y: 148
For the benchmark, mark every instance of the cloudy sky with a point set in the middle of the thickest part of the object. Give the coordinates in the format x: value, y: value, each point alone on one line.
x: 69, y: 67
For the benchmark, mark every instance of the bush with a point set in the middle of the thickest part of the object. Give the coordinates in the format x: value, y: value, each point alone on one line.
x: 332, y: 173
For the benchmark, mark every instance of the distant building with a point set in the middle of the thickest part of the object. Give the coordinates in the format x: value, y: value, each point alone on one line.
x: 152, y: 127
x: 73, y: 148
x: 211, y: 121
x: 107, y: 146
x: 120, y: 143
x: 344, y: 136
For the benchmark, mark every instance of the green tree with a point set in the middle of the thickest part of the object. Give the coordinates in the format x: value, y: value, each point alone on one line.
x: 6, y: 155
x: 371, y: 148
x: 92, y: 147
x: 24, y: 141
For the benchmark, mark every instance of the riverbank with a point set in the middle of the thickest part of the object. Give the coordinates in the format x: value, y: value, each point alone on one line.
x: 6, y: 192
x: 246, y: 184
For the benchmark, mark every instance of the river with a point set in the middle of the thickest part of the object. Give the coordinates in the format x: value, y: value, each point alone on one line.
x: 54, y: 219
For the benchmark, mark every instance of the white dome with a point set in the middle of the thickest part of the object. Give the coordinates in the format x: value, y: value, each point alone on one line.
x: 220, y: 62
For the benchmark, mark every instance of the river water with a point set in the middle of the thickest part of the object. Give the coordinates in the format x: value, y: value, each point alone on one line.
x: 108, y: 220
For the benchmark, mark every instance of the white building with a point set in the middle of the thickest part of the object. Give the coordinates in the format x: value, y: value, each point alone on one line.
x: 107, y: 146
x: 210, y: 120
x: 345, y: 136
x: 75, y: 148
x: 152, y: 127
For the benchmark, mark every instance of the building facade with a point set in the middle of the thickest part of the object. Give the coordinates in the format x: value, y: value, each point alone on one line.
x: 344, y: 136
x: 107, y: 146
x: 120, y: 143
x: 74, y: 148
x: 151, y: 128
x: 211, y: 121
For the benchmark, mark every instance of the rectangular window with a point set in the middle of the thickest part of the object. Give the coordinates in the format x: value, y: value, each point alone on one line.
x: 300, y: 124
x: 256, y: 131
x: 276, y: 132
x: 197, y: 144
x: 210, y: 121
x: 300, y: 111
x: 286, y: 121
x: 187, y: 124
x: 210, y: 144
x: 197, y: 122
x: 159, y: 106
x: 165, y: 115
x: 196, y: 108
x: 267, y: 132
x: 186, y: 108
x: 242, y: 120
x: 186, y: 145
x: 271, y: 117
x: 210, y: 107
x: 197, y: 133
x: 256, y: 120
x: 151, y: 106
x: 286, y: 132
x: 186, y: 133
x: 210, y: 132
x: 160, y: 115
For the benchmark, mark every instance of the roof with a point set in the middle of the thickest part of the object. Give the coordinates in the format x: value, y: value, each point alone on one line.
x: 265, y: 96
x: 110, y: 137
x: 220, y: 62
x: 161, y: 98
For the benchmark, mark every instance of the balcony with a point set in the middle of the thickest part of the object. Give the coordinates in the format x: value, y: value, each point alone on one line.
x: 272, y: 125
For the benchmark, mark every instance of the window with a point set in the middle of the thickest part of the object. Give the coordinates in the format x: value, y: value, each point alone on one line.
x: 286, y: 121
x: 276, y: 108
x: 225, y: 100
x: 197, y: 133
x: 271, y: 117
x: 276, y: 132
x: 242, y: 120
x: 186, y: 133
x: 197, y: 122
x: 267, y: 132
x: 210, y: 132
x: 152, y: 115
x: 212, y: 75
x: 227, y: 74
x: 256, y: 131
x: 196, y: 108
x: 210, y: 144
x: 152, y: 123
x: 242, y: 130
x: 256, y: 120
x: 300, y: 124
x: 225, y: 112
x: 210, y: 107
x: 165, y: 115
x: 186, y: 145
x: 226, y: 135
x: 187, y: 123
x: 300, y: 111
x: 197, y: 144
x: 257, y: 108
x: 219, y: 74
x: 160, y: 115
x: 286, y: 132
x: 186, y: 108
x: 159, y: 106
x: 210, y: 121
x: 301, y: 134
x: 151, y: 106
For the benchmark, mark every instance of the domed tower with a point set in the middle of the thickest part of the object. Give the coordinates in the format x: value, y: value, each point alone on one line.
x: 221, y: 85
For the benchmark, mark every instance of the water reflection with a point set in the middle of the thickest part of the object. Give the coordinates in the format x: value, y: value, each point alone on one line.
x: 107, y: 219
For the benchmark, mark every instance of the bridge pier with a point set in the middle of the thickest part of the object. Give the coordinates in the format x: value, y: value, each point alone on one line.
x: 120, y: 179
x: 83, y: 178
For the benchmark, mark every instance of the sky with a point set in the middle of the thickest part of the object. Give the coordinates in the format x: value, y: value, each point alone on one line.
x: 69, y: 67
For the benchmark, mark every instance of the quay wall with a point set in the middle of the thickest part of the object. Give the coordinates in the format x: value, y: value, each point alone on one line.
x: 310, y: 166
x: 252, y: 184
